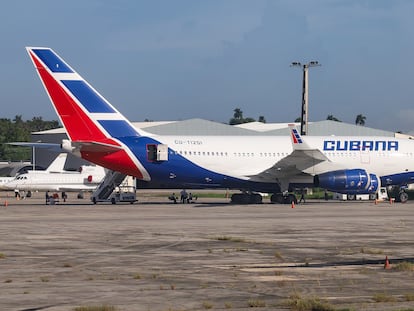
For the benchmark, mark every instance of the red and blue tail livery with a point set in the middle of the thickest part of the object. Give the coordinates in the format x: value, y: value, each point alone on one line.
x: 99, y: 133
x: 91, y: 122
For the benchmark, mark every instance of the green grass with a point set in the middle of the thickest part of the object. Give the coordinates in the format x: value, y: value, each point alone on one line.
x: 278, y: 255
x: 2, y: 256
x: 383, y: 297
x: 409, y: 297
x: 298, y: 303
x: 137, y: 276
x: 207, y: 305
x: 403, y: 266
x: 371, y: 251
x: 256, y: 303
x: 229, y: 238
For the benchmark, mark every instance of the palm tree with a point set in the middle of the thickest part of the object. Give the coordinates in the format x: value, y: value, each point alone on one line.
x: 238, y: 114
x: 360, y: 120
x: 237, y: 117
x: 332, y: 118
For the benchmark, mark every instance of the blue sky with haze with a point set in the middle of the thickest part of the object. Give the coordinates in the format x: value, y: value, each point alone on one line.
x: 181, y: 59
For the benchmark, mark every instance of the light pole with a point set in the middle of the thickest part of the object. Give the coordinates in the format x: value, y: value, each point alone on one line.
x: 305, y: 103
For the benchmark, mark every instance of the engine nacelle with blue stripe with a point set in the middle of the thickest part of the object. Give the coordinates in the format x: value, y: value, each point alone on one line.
x: 355, y: 181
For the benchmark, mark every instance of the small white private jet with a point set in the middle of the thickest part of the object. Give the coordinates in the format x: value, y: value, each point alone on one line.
x: 55, y: 178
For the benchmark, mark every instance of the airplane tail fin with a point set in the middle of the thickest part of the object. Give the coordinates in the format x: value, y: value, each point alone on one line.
x: 85, y: 114
x: 297, y: 141
x: 58, y: 164
x: 95, y: 128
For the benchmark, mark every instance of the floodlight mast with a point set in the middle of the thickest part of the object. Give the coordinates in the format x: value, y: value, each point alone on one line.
x: 305, y: 102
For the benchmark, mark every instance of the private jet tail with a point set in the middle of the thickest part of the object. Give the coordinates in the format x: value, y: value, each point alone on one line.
x: 92, y: 124
x: 58, y: 164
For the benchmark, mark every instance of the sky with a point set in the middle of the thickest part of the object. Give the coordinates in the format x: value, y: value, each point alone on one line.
x: 183, y: 59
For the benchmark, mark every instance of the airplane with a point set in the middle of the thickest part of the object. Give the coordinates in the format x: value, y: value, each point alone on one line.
x: 4, y: 180
x: 55, y: 178
x: 99, y: 133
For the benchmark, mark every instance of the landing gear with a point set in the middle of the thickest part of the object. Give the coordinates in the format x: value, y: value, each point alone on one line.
x: 402, y: 196
x: 399, y: 194
x: 246, y: 198
x: 283, y: 198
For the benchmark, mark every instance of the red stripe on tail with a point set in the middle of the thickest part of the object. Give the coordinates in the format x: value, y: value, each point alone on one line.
x: 78, y: 125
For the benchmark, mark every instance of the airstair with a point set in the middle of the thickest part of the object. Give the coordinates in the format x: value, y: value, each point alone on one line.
x: 112, y: 180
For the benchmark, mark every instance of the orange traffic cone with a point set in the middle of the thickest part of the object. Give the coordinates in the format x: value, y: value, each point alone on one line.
x: 387, y: 263
x: 293, y: 204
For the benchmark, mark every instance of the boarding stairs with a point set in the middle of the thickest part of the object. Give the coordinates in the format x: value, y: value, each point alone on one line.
x: 112, y: 180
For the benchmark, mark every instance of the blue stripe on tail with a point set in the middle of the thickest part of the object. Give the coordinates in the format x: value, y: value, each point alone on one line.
x: 88, y: 97
x: 52, y: 61
x: 118, y: 128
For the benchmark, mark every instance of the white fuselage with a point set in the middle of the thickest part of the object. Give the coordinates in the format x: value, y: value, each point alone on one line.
x: 244, y: 156
x: 67, y: 181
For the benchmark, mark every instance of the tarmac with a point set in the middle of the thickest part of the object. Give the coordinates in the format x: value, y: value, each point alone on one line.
x: 207, y: 255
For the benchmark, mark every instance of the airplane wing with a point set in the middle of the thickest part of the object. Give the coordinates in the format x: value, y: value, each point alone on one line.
x: 50, y: 146
x: 302, y: 158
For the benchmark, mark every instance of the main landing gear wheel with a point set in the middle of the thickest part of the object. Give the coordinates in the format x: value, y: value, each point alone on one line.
x: 283, y: 199
x: 403, y: 196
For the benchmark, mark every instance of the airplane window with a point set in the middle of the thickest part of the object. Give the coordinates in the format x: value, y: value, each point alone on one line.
x: 208, y: 153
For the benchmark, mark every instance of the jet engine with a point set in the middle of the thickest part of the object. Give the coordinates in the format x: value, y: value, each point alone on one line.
x: 67, y: 145
x: 355, y: 181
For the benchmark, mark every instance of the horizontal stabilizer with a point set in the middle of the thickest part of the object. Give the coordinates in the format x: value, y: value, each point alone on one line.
x: 93, y: 146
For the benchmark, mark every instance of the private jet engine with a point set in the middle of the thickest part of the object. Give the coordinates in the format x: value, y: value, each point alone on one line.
x: 66, y: 146
x: 355, y: 181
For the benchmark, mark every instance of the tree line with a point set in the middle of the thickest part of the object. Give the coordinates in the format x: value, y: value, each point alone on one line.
x: 239, y: 119
x: 18, y: 130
